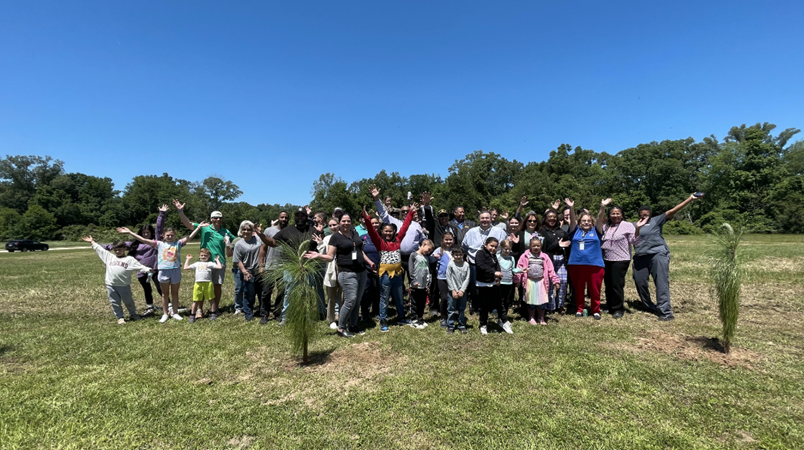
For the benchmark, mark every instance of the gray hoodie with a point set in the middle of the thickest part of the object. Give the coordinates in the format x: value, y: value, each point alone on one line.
x: 419, y: 269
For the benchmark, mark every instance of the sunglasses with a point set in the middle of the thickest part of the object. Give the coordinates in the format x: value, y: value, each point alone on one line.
x: 532, y: 220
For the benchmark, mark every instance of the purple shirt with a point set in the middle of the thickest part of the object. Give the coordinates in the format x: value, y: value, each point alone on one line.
x: 144, y: 253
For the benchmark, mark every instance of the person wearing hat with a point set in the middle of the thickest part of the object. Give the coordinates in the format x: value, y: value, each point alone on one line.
x: 219, y: 241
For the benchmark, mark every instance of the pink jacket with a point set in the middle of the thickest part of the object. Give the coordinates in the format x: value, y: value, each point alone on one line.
x: 549, y: 271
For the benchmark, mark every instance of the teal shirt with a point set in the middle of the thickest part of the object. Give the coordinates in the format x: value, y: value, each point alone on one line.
x: 212, y: 239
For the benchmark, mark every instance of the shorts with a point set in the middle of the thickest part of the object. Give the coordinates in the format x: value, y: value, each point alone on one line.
x: 202, y: 290
x: 219, y: 274
x: 172, y: 276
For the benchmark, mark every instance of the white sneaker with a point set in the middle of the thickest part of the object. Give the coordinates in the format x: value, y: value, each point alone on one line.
x: 176, y: 317
x: 238, y: 311
x: 121, y: 321
x: 424, y: 324
x: 483, y: 330
x: 164, y: 318
x: 170, y: 309
x: 507, y: 327
x: 333, y: 326
x: 420, y: 325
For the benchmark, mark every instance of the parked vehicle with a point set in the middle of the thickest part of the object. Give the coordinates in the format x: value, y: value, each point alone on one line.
x: 24, y: 245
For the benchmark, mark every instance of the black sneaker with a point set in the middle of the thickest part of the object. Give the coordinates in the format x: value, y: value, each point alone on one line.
x: 264, y: 320
x: 357, y: 330
x: 617, y: 314
x: 345, y: 333
x: 191, y: 319
x: 213, y: 315
x: 666, y: 318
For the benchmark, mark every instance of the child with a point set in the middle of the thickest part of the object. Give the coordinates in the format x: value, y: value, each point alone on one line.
x: 508, y: 269
x: 419, y: 269
x: 118, y: 277
x: 443, y: 255
x: 488, y: 290
x: 457, y: 283
x: 202, y: 289
x: 168, y: 253
x: 537, y: 273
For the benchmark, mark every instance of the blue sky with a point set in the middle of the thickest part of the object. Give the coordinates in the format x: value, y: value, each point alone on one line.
x: 272, y: 94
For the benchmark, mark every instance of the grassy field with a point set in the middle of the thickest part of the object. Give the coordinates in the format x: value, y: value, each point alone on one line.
x: 70, y: 377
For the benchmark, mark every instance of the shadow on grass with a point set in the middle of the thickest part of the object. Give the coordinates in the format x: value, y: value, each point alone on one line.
x: 5, y: 349
x: 317, y: 358
x: 707, y: 343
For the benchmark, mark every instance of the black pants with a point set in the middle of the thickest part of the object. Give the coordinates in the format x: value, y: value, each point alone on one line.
x: 146, y: 288
x: 264, y: 292
x: 614, y: 279
x: 489, y: 299
x: 435, y: 298
x: 507, y: 294
x: 418, y: 300
x: 443, y: 293
x: 371, y: 296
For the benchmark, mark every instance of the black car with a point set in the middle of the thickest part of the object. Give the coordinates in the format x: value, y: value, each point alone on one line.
x: 25, y: 245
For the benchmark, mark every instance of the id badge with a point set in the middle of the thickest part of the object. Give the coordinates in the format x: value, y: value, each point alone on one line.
x: 354, y: 255
x: 580, y: 245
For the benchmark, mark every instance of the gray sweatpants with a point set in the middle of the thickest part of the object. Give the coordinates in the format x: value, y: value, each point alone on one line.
x: 353, y: 285
x: 118, y: 293
x: 658, y: 267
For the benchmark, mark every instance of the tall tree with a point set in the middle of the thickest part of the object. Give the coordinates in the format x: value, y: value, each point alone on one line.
x: 20, y: 176
x: 216, y: 190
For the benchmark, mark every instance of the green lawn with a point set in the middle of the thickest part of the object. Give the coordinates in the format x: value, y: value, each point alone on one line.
x: 71, y: 378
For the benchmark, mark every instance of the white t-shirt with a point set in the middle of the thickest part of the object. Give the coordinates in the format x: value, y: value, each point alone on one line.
x: 203, y: 270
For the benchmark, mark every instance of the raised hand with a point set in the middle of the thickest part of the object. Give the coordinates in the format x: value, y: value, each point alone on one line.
x: 178, y: 205
x: 123, y: 230
x: 218, y: 259
x: 564, y: 244
x: 319, y: 227
x: 311, y: 255
x: 308, y: 210
x: 514, y: 237
x: 556, y: 204
x: 425, y: 198
x: 364, y: 210
x: 274, y: 222
x: 504, y: 215
x: 414, y: 206
x: 258, y: 229
x: 523, y: 202
x: 317, y: 238
x: 88, y: 239
x: 163, y: 208
x: 642, y: 222
x: 605, y: 202
x: 569, y: 202
x: 203, y: 224
x: 375, y: 193
x: 189, y: 257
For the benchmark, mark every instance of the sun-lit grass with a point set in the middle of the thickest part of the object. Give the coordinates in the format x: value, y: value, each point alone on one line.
x: 71, y: 378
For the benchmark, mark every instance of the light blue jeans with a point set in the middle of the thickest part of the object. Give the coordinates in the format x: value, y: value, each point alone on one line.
x: 391, y: 287
x: 319, y: 286
x: 456, y: 310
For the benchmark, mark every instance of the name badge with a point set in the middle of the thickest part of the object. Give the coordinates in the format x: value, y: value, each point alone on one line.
x: 354, y: 255
x: 580, y: 245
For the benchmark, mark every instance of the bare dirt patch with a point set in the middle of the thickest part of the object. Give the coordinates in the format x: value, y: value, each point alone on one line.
x: 694, y: 348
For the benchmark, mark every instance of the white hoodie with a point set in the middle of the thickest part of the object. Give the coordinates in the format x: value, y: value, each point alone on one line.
x: 118, y: 270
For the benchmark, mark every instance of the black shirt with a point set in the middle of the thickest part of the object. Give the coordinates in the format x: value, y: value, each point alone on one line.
x: 294, y: 237
x: 345, y: 246
x: 551, y: 238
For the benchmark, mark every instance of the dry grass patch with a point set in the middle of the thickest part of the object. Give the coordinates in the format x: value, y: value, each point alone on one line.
x: 689, y: 347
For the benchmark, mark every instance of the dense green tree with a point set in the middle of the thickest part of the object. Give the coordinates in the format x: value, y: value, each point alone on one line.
x: 20, y: 176
x: 37, y: 223
x: 9, y: 220
x: 214, y: 191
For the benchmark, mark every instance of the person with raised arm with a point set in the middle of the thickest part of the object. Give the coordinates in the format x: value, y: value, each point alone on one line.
x: 202, y: 289
x: 617, y: 236
x: 220, y: 242
x: 268, y: 257
x: 652, y: 258
x: 146, y: 255
x: 346, y: 249
x: 118, y: 277
x: 415, y: 234
x: 585, y: 264
x: 390, y: 271
x: 556, y: 246
x: 168, y: 253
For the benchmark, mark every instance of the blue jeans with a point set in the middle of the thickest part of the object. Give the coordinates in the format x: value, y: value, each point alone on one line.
x: 244, y: 293
x: 456, y: 310
x: 391, y: 287
x: 238, y: 278
x: 319, y: 286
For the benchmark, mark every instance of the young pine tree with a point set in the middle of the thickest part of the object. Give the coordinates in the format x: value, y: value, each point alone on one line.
x: 727, y: 275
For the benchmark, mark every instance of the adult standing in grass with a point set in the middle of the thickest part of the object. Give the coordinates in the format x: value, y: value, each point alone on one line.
x: 332, y: 289
x: 370, y: 304
x: 555, y: 245
x: 652, y: 258
x: 246, y: 260
x: 617, y: 238
x: 218, y: 240
x: 461, y: 223
x: 390, y: 271
x: 146, y: 255
x: 473, y: 242
x: 346, y: 249
x: 268, y: 257
x: 585, y: 264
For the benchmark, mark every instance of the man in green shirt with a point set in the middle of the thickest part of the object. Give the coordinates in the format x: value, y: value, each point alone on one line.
x: 219, y: 241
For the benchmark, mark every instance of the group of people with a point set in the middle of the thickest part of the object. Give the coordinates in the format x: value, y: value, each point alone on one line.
x: 538, y: 266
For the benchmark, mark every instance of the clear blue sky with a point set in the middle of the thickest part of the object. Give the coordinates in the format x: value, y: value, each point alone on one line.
x: 272, y: 94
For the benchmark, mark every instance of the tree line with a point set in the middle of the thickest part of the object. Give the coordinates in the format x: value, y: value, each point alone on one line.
x: 752, y: 179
